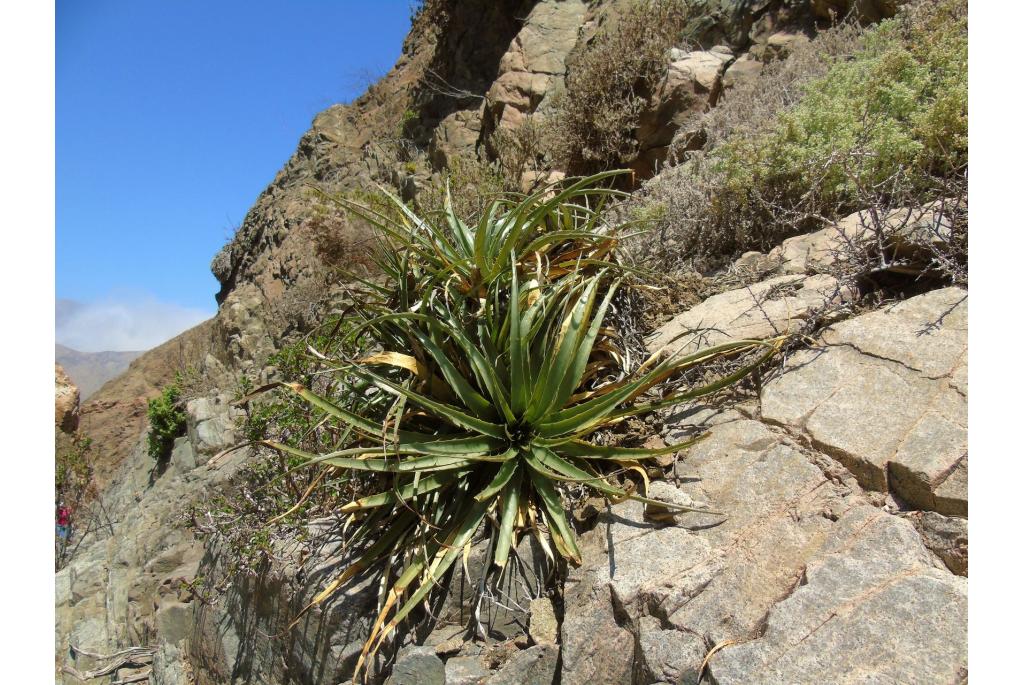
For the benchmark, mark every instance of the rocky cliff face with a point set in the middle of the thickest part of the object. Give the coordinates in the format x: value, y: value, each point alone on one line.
x: 843, y: 556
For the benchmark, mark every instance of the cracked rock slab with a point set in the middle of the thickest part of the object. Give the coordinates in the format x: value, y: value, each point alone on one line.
x: 711, y: 577
x: 873, y: 608
x: 778, y: 506
x: 800, y: 557
x: 762, y: 310
x: 882, y: 396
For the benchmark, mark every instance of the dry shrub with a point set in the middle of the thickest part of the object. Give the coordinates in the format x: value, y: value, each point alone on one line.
x: 902, y: 245
x: 610, y: 83
x: 473, y: 184
x: 752, y: 106
x: 337, y: 242
x: 519, y: 150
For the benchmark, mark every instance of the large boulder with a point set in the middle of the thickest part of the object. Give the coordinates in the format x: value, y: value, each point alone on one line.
x: 746, y: 69
x: 692, y: 84
x: 886, y: 395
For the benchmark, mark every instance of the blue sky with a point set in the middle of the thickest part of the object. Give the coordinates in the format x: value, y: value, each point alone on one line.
x: 172, y: 116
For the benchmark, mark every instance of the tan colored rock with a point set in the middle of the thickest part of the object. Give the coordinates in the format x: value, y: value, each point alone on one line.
x: 772, y: 307
x: 533, y: 180
x: 904, y: 232
x: 66, y: 398
x: 691, y: 85
x: 812, y: 252
x: 781, y: 44
x: 534, y: 62
x: 700, y: 71
x: 543, y: 622
x: 744, y: 70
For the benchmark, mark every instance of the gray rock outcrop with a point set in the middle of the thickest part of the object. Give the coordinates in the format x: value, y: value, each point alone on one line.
x: 813, y: 574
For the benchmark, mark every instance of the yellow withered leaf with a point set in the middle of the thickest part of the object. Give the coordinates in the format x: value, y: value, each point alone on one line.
x: 402, y: 361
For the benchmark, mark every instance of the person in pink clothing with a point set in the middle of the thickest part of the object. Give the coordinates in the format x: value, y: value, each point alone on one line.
x: 63, y: 521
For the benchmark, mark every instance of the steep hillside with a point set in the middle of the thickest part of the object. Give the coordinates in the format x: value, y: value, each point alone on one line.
x: 90, y: 370
x: 843, y: 471
x: 114, y: 416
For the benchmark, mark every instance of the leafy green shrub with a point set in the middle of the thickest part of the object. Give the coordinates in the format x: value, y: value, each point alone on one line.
x: 610, y: 83
x: 166, y: 422
x: 471, y: 379
x: 870, y: 105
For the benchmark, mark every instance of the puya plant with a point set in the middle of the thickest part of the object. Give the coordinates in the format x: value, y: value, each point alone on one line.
x: 479, y: 366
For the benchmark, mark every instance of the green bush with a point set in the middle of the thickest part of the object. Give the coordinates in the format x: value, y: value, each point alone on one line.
x: 166, y: 422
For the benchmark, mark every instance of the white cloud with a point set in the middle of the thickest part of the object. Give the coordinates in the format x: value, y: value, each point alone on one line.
x: 121, y: 325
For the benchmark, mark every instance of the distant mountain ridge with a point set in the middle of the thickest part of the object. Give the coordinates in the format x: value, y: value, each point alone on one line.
x: 90, y: 370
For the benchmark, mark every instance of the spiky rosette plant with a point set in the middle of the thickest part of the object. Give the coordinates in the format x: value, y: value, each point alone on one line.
x: 483, y: 353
